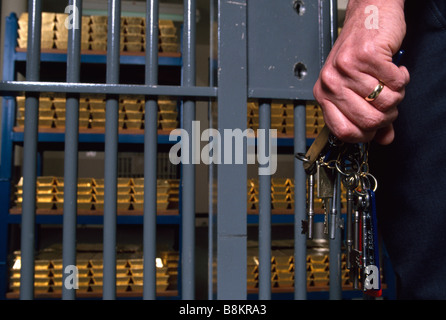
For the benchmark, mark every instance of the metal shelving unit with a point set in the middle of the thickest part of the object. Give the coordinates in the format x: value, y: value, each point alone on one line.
x: 54, y: 139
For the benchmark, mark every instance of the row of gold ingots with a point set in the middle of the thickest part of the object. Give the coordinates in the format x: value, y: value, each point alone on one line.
x: 92, y: 112
x: 129, y: 273
x: 94, y: 33
x: 282, y: 195
x: 282, y: 118
x: 282, y: 270
x: 91, y: 193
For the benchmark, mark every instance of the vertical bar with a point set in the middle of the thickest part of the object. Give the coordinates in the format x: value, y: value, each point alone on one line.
x: 188, y: 180
x: 264, y: 208
x: 7, y: 149
x: 30, y: 150
x: 150, y: 152
x: 111, y: 152
x: 300, y: 241
x: 232, y: 178
x: 211, y: 166
x: 71, y: 149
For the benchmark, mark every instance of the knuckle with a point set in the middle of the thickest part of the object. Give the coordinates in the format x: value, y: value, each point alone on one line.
x: 373, y: 122
x: 328, y: 79
x: 344, y: 62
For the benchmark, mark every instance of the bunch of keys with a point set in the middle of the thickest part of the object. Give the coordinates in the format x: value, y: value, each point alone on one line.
x: 328, y: 163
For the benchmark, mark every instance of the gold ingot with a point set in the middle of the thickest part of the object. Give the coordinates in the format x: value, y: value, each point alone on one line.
x: 133, y: 124
x: 134, y: 21
x: 61, y: 44
x: 133, y: 115
x: 166, y: 27
x: 133, y: 38
x: 97, y: 105
x: 167, y: 105
x: 131, y: 107
x: 169, y: 39
x: 47, y: 44
x: 99, y: 19
x: 168, y: 115
x: 98, y: 46
x: 133, y: 29
x: 168, y: 124
x: 133, y: 47
x: 168, y: 47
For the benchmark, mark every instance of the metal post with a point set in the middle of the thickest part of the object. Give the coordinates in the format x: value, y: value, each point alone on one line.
x: 30, y: 149
x: 300, y: 240
x: 232, y: 178
x: 264, y: 208
x: 188, y: 179
x: 71, y: 149
x: 111, y: 152
x: 150, y: 152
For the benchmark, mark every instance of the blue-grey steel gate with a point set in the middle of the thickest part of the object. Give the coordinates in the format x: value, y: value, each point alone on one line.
x: 266, y: 50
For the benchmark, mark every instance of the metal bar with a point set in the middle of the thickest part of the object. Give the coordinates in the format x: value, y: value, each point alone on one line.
x: 71, y: 151
x: 264, y: 208
x: 300, y: 241
x: 232, y: 178
x: 211, y: 166
x: 111, y: 152
x: 188, y: 170
x: 150, y: 152
x: 16, y: 87
x: 30, y: 149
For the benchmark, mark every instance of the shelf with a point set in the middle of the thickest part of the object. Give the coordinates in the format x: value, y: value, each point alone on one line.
x: 95, y: 295
x: 88, y: 56
x: 92, y: 135
x: 47, y: 216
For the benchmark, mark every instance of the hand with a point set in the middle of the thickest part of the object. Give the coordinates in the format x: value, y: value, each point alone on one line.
x: 360, y: 58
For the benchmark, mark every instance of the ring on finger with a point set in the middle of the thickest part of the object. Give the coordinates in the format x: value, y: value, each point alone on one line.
x: 375, y: 93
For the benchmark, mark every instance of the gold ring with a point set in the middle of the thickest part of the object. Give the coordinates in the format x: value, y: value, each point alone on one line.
x: 375, y: 92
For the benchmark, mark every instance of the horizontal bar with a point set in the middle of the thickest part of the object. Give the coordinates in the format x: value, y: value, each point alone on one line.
x: 285, y: 94
x: 97, y: 219
x: 160, y: 219
x: 101, y: 58
x: 92, y: 138
x: 8, y: 88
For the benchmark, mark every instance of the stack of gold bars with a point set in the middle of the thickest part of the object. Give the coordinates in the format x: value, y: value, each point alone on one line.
x: 282, y: 195
x: 94, y: 33
x: 282, y: 118
x: 54, y: 31
x: 282, y: 271
x: 92, y: 112
x: 314, y: 119
x: 129, y: 272
x: 90, y: 195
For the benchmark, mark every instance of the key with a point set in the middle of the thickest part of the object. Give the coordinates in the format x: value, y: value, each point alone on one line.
x: 334, y: 206
x: 372, y: 279
x: 310, y: 205
x: 350, y: 183
x: 325, y: 187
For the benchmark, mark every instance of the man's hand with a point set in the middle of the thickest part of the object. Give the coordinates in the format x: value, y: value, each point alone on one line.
x: 360, y: 58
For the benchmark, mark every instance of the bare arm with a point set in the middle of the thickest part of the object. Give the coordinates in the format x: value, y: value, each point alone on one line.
x: 360, y: 58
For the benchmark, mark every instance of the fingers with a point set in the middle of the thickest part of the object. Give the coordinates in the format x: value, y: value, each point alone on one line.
x: 347, y: 113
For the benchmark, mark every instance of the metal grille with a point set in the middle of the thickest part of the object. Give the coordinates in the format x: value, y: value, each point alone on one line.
x: 260, y: 50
